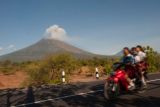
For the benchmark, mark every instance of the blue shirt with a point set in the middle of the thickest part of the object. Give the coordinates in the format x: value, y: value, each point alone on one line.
x: 128, y: 59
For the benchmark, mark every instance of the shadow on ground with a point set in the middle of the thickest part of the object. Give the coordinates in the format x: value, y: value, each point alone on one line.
x: 32, y: 94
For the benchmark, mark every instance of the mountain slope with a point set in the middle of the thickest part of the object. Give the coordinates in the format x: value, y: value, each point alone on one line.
x: 120, y: 53
x: 43, y: 48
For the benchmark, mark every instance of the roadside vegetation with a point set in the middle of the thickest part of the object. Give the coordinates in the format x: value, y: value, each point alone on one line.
x: 48, y: 70
x: 153, y: 59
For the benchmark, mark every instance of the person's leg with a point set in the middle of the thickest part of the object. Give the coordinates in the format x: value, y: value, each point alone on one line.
x: 131, y: 84
x: 141, y: 70
x: 143, y: 78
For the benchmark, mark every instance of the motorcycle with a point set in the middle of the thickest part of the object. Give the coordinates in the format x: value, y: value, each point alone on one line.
x: 117, y: 83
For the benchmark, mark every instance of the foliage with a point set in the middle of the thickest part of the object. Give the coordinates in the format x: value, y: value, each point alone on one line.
x: 103, y: 62
x: 49, y: 70
x: 8, y: 67
x: 153, y: 59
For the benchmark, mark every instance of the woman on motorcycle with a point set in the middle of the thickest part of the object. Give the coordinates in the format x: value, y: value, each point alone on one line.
x: 140, y: 53
x: 141, y: 62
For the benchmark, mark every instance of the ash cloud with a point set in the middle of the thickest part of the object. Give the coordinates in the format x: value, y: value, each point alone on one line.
x: 56, y: 32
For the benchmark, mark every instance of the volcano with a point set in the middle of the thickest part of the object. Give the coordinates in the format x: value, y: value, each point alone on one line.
x: 46, y: 47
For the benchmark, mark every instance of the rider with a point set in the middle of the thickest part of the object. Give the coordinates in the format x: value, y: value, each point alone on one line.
x: 136, y: 60
x: 140, y: 53
x: 128, y: 60
x: 141, y: 56
x: 133, y: 51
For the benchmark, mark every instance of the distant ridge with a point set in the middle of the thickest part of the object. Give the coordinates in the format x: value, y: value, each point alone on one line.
x: 46, y: 47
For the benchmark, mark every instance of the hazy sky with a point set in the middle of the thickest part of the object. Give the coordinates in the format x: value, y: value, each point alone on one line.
x: 99, y: 26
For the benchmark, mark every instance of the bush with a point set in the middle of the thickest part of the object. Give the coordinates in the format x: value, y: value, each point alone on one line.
x: 152, y: 59
x: 8, y: 67
x: 37, y: 75
x: 49, y: 70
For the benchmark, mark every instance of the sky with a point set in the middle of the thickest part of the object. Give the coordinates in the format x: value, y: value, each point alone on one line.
x: 99, y: 26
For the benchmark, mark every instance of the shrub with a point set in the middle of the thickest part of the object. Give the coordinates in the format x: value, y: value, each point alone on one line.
x: 152, y: 59
x: 49, y: 69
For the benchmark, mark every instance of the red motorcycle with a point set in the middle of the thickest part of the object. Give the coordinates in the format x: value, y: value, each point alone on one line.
x: 117, y: 83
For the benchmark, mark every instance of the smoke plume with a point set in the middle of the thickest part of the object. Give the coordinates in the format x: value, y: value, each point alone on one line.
x: 56, y: 32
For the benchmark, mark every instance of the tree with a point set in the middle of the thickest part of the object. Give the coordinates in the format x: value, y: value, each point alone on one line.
x: 152, y: 57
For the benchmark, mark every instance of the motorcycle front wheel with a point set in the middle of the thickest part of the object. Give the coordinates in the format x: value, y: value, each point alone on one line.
x: 111, y: 90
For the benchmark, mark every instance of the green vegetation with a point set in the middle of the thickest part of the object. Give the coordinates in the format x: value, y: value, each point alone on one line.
x: 106, y: 63
x: 153, y: 59
x: 48, y: 70
x: 8, y: 67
